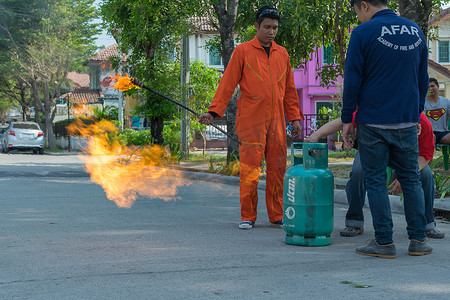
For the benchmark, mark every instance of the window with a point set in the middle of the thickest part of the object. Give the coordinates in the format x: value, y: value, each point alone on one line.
x: 321, y: 104
x: 444, y: 56
x: 214, y: 58
x: 61, y: 101
x: 28, y: 125
x: 327, y: 52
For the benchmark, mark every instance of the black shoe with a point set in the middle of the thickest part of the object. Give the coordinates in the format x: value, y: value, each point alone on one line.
x: 352, y: 231
x: 375, y: 249
x: 278, y: 224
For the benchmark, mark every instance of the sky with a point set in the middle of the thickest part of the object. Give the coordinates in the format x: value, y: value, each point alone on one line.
x: 104, y: 39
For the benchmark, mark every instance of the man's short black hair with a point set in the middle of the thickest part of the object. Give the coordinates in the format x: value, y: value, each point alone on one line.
x: 267, y: 12
x: 434, y: 80
x: 376, y: 3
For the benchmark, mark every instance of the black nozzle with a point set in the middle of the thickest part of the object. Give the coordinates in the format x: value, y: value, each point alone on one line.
x: 137, y: 83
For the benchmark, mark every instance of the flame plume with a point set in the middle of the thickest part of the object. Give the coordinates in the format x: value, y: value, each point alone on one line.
x: 125, y: 173
x: 123, y: 83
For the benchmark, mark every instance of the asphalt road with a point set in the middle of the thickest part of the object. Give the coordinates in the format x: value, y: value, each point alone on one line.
x: 61, y: 238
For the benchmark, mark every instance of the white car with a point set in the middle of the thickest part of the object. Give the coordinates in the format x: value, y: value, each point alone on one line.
x: 23, y: 136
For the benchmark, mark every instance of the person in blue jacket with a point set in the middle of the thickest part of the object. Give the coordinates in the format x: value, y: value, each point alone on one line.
x: 386, y: 78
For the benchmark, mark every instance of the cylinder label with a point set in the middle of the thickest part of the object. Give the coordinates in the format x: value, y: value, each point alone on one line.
x: 291, y: 189
x: 290, y: 213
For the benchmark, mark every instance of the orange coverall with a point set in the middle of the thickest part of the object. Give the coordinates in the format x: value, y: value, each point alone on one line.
x: 267, y: 94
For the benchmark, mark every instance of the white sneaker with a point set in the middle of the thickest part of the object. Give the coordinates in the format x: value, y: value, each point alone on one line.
x: 246, y: 225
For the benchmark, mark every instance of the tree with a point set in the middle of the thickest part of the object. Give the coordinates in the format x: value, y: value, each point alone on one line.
x: 222, y: 15
x: 419, y: 11
x: 310, y: 24
x: 226, y: 11
x: 59, y: 39
x: 12, y: 86
x: 148, y: 30
x: 16, y: 92
x: 204, y: 81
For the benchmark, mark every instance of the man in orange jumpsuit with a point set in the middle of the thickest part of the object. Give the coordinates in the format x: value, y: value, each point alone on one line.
x: 263, y: 71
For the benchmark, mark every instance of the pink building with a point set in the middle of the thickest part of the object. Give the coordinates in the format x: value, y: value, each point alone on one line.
x: 311, y: 95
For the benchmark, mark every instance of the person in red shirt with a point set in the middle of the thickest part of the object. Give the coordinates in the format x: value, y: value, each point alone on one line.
x: 356, y: 189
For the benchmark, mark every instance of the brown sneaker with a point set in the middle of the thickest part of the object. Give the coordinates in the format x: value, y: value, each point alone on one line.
x: 352, y: 231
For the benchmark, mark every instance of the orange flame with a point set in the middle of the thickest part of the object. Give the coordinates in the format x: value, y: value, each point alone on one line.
x: 123, y: 83
x: 126, y: 173
x: 105, y: 65
x: 82, y: 109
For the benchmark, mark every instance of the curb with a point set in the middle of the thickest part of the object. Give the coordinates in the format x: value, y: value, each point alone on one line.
x: 65, y: 153
x: 339, y: 191
x: 339, y: 194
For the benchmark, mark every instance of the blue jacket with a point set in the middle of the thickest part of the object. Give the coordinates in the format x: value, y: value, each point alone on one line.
x: 386, y: 74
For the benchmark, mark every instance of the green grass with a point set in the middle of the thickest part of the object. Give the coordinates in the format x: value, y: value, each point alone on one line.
x: 200, y: 158
x: 56, y: 150
x: 358, y: 286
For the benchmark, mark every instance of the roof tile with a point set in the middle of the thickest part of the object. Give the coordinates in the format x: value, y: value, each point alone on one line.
x: 106, y: 53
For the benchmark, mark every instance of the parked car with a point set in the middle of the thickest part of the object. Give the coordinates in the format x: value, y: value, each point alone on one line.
x: 23, y: 136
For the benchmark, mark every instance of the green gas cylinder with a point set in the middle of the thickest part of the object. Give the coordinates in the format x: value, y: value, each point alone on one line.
x: 308, y: 197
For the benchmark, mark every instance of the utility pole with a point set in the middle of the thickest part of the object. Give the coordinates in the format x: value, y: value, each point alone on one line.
x: 69, y: 146
x: 121, y: 99
x: 185, y: 83
x: 120, y: 108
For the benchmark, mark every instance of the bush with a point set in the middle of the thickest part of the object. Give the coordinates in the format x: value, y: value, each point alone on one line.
x: 129, y: 137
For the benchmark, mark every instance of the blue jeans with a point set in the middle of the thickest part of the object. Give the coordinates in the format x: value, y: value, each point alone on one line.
x: 356, y: 194
x: 397, y: 148
x: 427, y: 180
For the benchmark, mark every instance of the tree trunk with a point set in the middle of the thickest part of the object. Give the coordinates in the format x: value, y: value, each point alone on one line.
x: 23, y: 103
x: 49, y: 115
x: 157, y: 125
x: 156, y: 122
x: 203, y: 135
x: 226, y: 13
x: 417, y: 11
x: 50, y: 133
x: 37, y: 102
x: 45, y: 107
x: 340, y: 34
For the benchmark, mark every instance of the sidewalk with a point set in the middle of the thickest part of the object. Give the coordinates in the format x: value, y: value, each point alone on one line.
x: 196, y: 171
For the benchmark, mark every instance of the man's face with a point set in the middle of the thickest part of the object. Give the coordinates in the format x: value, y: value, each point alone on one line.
x: 433, y: 89
x: 362, y: 11
x: 266, y: 31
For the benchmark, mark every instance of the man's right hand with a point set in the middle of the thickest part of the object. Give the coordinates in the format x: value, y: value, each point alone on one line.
x: 205, y: 118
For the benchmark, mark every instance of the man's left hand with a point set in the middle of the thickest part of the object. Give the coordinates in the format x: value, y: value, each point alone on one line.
x: 395, y: 187
x: 296, y: 128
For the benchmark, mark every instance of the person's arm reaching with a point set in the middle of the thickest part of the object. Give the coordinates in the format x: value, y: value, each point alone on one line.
x: 327, y: 129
